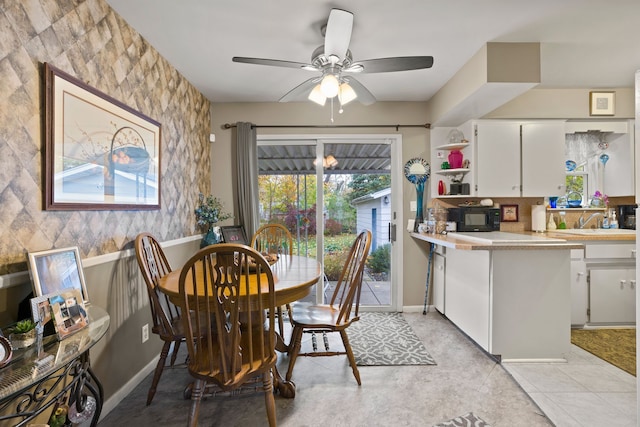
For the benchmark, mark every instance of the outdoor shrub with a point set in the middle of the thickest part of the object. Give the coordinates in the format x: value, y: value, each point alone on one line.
x: 332, y: 227
x: 380, y: 259
x: 333, y: 264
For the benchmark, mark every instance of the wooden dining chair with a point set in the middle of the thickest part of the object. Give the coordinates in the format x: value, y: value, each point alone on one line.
x: 167, y: 322
x: 237, y: 311
x: 274, y: 239
x: 341, y: 311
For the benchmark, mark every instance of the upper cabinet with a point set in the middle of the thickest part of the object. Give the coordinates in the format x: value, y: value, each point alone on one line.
x: 508, y: 158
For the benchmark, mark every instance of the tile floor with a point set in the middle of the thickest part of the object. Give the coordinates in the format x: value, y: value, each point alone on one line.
x: 585, y: 391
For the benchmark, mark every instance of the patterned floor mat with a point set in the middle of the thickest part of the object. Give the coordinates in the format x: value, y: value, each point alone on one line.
x: 466, y: 420
x: 383, y: 339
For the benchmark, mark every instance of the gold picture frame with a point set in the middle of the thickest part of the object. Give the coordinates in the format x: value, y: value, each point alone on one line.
x: 602, y: 103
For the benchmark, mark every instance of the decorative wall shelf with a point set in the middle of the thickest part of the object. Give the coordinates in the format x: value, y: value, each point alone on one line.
x: 453, y: 171
x: 452, y: 146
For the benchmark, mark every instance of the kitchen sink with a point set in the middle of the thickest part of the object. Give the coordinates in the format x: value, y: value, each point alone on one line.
x: 596, y: 231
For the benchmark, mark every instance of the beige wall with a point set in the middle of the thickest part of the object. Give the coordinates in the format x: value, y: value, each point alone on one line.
x: 415, y: 144
x: 562, y: 104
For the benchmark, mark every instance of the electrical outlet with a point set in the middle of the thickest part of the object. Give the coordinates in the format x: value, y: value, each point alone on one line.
x: 145, y: 332
x: 413, y: 205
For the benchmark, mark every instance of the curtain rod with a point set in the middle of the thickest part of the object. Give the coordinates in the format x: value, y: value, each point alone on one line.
x: 426, y: 126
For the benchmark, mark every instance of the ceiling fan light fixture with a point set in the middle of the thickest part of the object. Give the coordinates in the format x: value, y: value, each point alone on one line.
x: 331, y: 161
x: 346, y: 94
x: 317, y: 96
x: 330, y: 85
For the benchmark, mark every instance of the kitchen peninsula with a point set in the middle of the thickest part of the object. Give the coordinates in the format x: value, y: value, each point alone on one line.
x: 509, y: 292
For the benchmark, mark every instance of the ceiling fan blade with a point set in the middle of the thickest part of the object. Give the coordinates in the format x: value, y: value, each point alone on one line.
x: 364, y: 96
x: 384, y: 65
x: 338, y: 34
x: 274, y: 63
x: 301, y: 92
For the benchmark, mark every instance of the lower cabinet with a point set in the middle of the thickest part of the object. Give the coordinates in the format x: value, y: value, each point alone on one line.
x: 612, y: 295
x: 579, y: 288
x: 603, y: 283
x: 439, y: 265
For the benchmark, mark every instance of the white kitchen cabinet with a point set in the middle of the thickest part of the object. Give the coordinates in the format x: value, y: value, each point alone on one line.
x: 543, y: 165
x: 497, y: 159
x: 508, y: 303
x: 611, y: 278
x: 612, y: 295
x: 439, y: 289
x: 579, y: 288
x: 519, y: 159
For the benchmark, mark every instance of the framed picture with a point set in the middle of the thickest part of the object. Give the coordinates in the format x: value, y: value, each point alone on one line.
x: 234, y: 234
x: 509, y: 213
x: 56, y: 270
x: 41, y: 311
x: 99, y: 153
x: 602, y: 103
x: 68, y: 312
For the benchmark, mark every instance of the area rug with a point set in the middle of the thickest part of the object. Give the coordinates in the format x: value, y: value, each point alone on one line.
x: 466, y: 420
x: 385, y: 339
x: 616, y: 346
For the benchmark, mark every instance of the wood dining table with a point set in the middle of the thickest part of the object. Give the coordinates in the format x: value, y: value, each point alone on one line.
x: 293, y: 278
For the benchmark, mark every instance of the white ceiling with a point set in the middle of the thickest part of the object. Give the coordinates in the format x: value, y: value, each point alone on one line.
x: 584, y: 43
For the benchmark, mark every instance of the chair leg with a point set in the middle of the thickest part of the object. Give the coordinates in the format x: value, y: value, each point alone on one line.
x: 158, y: 372
x: 196, y: 397
x: 352, y: 359
x: 176, y: 347
x: 269, y: 400
x: 294, y: 349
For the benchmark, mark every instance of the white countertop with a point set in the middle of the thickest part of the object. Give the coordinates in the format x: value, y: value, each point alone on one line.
x: 501, y: 237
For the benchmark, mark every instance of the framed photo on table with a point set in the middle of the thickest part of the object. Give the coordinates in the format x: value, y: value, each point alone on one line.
x: 509, y: 213
x: 234, y: 234
x: 602, y: 103
x: 56, y: 270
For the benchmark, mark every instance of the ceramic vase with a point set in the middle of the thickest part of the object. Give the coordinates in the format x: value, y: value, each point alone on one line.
x: 455, y: 159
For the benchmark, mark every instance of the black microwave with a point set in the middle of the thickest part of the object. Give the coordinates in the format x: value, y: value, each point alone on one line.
x: 475, y: 218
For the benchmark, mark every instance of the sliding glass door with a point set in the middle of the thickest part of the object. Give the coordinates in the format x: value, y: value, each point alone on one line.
x: 326, y: 190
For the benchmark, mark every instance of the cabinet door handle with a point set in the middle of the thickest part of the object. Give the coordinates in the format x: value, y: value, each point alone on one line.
x: 633, y: 253
x: 622, y: 283
x: 440, y: 267
x: 632, y: 283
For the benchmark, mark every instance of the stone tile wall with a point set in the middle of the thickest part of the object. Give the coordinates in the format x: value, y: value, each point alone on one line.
x: 88, y: 40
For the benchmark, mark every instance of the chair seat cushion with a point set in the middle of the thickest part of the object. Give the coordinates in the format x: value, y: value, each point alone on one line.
x: 317, y: 316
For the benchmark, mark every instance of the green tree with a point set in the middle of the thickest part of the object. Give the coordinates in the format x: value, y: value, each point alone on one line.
x: 363, y: 184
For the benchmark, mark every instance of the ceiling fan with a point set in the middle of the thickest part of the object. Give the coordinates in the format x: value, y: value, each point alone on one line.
x: 335, y: 62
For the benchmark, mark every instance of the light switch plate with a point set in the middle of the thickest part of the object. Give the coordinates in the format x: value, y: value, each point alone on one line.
x: 413, y: 206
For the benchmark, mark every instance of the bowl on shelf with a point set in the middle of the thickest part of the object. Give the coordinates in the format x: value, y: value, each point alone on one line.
x: 574, y: 199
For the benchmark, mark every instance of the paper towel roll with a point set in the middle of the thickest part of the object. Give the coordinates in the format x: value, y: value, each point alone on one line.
x: 538, y: 218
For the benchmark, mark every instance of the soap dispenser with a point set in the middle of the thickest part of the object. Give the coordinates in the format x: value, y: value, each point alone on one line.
x: 613, y: 223
x: 562, y: 223
x: 551, y: 225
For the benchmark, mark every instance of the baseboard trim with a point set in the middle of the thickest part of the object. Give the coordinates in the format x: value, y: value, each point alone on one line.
x: 124, y: 391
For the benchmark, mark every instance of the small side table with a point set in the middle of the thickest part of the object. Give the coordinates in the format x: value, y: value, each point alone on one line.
x: 53, y: 371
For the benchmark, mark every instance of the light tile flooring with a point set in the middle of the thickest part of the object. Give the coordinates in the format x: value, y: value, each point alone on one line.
x: 585, y: 391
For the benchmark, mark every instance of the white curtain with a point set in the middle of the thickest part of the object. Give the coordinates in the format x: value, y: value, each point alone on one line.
x: 247, y: 199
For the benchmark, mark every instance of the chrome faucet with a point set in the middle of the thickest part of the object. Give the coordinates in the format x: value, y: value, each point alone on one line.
x: 582, y: 222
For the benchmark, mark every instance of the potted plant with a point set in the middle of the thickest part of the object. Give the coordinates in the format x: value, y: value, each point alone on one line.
x: 209, y: 212
x: 23, y: 334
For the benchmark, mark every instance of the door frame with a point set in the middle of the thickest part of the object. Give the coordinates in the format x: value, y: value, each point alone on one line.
x: 395, y: 140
